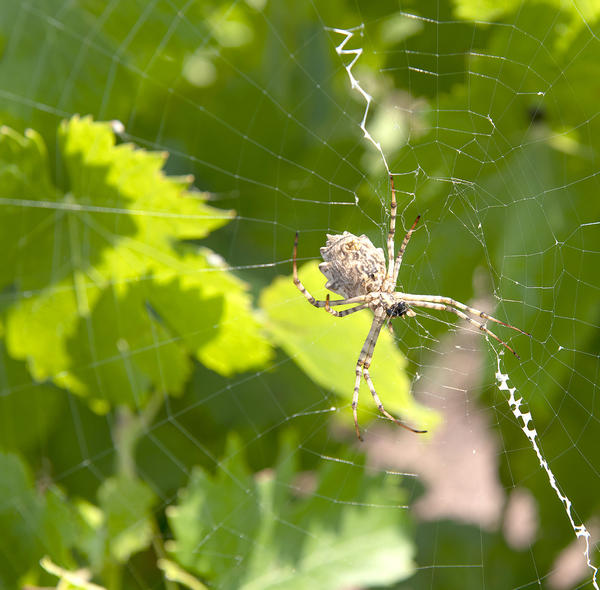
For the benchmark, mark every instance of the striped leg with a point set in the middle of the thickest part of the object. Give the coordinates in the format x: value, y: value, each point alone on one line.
x: 362, y: 369
x: 380, y: 405
x: 366, y: 354
x: 344, y: 312
x: 392, y: 232
x: 464, y: 316
x: 359, y: 371
x: 398, y: 260
x: 309, y: 297
x: 453, y: 303
x: 367, y: 376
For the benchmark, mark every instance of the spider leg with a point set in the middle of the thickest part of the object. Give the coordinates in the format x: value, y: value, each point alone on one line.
x: 392, y: 232
x: 366, y: 354
x: 309, y: 297
x: 398, y: 260
x: 380, y: 405
x: 464, y: 316
x: 453, y: 303
x: 362, y: 369
x: 344, y: 312
x: 359, y: 371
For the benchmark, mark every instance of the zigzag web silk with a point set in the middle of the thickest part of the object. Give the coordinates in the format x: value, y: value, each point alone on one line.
x: 525, y: 419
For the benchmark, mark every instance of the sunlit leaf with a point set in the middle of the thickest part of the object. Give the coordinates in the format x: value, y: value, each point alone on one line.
x: 110, y: 302
x: 327, y: 348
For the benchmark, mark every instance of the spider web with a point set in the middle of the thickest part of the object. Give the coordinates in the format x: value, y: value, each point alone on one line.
x: 177, y: 415
x: 515, y: 402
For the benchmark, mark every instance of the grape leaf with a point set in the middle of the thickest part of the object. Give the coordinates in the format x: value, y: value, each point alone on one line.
x: 28, y: 410
x: 128, y: 525
x: 33, y: 524
x: 260, y: 532
x: 111, y: 300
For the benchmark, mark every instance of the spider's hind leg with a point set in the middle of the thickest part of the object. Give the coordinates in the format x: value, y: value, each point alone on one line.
x: 359, y: 372
x: 481, y: 326
x: 380, y: 405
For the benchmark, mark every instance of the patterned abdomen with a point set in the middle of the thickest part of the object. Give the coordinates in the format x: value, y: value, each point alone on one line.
x: 352, y: 265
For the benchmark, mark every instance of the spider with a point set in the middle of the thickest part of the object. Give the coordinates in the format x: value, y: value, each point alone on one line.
x: 356, y: 270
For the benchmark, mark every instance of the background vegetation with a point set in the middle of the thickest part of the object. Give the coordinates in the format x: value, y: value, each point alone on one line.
x: 172, y: 412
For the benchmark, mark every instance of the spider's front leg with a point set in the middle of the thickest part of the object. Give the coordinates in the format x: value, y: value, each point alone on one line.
x: 344, y: 312
x: 392, y: 231
x: 317, y: 302
x: 400, y: 255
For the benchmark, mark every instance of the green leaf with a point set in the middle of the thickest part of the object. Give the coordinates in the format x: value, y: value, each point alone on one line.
x: 128, y: 524
x: 32, y: 524
x: 111, y: 300
x: 264, y: 532
x: 28, y: 410
x: 61, y: 525
x: 121, y: 525
x: 575, y: 16
x: 548, y: 310
x: 21, y: 513
x: 216, y: 506
x: 225, y: 335
x: 326, y: 348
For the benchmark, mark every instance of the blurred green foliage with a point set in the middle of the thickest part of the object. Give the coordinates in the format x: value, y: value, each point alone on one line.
x: 290, y: 537
x: 168, y: 400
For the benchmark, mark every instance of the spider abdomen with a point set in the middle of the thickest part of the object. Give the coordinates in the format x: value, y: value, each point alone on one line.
x: 352, y: 265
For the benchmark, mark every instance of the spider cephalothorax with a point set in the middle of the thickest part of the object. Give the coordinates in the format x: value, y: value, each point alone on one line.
x: 357, y: 270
